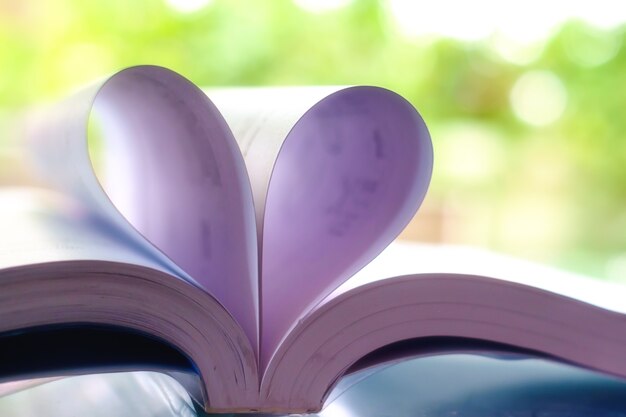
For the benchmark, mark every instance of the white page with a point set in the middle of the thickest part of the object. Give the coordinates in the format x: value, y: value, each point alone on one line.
x: 261, y: 119
x: 40, y: 226
x: 405, y: 258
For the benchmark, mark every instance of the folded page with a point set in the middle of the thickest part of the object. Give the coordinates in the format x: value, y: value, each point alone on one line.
x: 169, y: 175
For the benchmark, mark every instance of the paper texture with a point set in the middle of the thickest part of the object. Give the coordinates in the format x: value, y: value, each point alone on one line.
x: 176, y: 182
x: 336, y: 174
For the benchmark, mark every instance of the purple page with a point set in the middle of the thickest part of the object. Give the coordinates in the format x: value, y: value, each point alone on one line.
x: 349, y: 176
x: 172, y: 174
x: 434, y: 301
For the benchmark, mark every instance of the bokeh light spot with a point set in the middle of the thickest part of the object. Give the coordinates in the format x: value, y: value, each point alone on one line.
x: 538, y: 98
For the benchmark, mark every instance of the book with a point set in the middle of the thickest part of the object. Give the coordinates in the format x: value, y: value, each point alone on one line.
x: 461, y: 384
x: 232, y: 238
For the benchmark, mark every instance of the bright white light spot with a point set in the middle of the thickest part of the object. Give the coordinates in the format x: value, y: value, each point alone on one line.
x: 444, y: 17
x: 321, y: 6
x: 524, y: 22
x: 530, y: 21
x: 538, y: 98
x: 335, y: 409
x: 603, y: 14
x: 188, y: 6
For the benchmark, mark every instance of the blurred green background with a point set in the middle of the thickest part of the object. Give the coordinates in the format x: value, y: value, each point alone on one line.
x: 525, y: 101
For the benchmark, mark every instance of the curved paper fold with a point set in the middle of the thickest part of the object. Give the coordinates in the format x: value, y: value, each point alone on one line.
x: 174, y: 175
x: 356, y: 323
x: 349, y: 177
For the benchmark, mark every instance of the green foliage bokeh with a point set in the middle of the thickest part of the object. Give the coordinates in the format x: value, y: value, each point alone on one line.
x: 554, y: 192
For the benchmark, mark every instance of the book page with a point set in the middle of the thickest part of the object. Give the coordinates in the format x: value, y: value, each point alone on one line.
x: 480, y: 385
x: 405, y: 258
x: 40, y: 226
x: 260, y: 119
x: 60, y: 266
x: 169, y: 175
x: 336, y: 174
x: 137, y: 394
x: 438, y: 303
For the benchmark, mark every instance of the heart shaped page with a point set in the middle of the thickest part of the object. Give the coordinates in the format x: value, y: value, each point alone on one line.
x: 168, y: 169
x: 348, y: 178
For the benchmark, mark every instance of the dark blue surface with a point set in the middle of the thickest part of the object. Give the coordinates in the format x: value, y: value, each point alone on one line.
x: 450, y: 385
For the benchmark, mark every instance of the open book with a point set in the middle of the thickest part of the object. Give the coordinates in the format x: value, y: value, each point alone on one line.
x: 222, y: 236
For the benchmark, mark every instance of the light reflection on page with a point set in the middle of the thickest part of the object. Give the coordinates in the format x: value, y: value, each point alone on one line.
x: 464, y: 385
x: 459, y: 385
x: 138, y: 394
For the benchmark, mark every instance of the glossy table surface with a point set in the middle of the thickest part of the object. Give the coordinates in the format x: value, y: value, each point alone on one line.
x: 453, y: 385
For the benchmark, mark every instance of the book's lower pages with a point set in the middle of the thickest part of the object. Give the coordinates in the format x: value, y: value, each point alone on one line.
x: 476, y: 384
x: 365, y: 323
x: 78, y: 297
x: 365, y: 317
